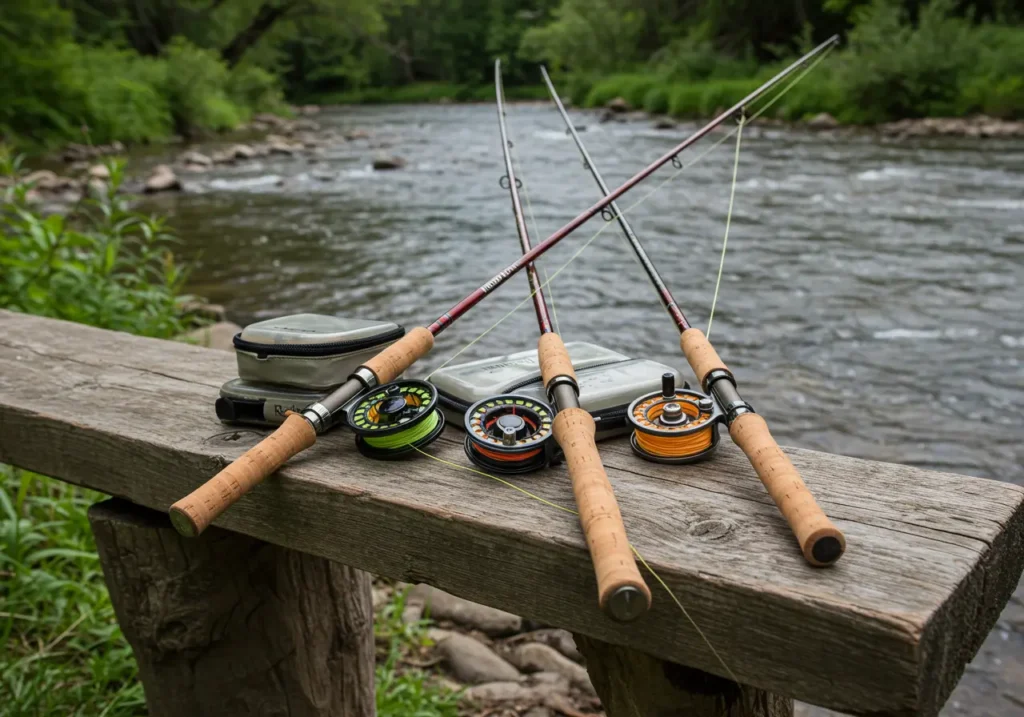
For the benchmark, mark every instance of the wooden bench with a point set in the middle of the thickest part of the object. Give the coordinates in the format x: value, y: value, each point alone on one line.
x: 932, y: 557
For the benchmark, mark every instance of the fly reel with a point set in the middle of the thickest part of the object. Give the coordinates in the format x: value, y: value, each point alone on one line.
x: 674, y: 426
x: 509, y: 434
x: 394, y: 419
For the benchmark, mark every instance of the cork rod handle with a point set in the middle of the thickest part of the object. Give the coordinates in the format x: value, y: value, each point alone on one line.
x: 821, y: 542
x: 621, y: 592
x: 618, y: 578
x: 392, y: 361
x: 193, y: 514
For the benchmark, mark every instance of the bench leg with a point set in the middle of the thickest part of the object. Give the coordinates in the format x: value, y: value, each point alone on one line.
x: 630, y: 683
x: 229, y: 625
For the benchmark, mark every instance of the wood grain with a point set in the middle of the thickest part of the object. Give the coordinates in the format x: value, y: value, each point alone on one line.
x: 887, y: 630
x: 230, y: 625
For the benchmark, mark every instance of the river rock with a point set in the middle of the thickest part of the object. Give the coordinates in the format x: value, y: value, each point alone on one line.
x: 281, y: 148
x: 99, y: 171
x: 557, y: 638
x: 664, y: 123
x: 308, y: 110
x: 203, y: 310
x: 196, y: 159
x: 219, y: 336
x: 385, y: 162
x: 163, y: 179
x: 619, y: 104
x: 305, y: 125
x: 243, y: 151
x: 535, y: 657
x: 823, y: 120
x: 444, y: 606
x: 472, y: 662
x: 357, y: 134
x: 43, y: 180
x: 270, y: 120
x: 499, y: 692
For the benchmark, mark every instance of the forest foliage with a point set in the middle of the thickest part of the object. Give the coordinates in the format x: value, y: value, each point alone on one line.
x: 149, y: 69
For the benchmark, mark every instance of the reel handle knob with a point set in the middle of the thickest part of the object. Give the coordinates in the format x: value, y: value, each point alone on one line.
x: 668, y: 385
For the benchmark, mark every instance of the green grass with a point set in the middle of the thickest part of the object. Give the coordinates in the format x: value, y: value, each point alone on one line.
x: 61, y: 651
x: 404, y: 691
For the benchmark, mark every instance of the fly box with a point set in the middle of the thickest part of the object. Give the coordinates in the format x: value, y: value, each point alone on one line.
x: 608, y: 382
x: 310, y: 351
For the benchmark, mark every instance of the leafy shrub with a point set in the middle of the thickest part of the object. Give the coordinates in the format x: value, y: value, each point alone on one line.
x: 893, y: 69
x: 592, y: 35
x: 694, y: 58
x: 102, y: 265
x: 123, y: 100
x: 255, y: 89
x: 656, y: 99
x: 996, y: 84
x: 195, y: 83
x: 631, y: 87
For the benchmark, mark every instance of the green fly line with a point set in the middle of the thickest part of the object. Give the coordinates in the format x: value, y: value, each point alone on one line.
x: 728, y: 223
x: 407, y: 437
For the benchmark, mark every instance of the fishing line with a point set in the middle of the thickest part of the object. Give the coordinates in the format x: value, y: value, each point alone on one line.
x: 412, y: 435
x: 643, y: 562
x: 728, y: 223
x: 629, y: 209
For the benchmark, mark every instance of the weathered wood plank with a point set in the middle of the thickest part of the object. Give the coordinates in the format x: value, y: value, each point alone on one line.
x: 228, y: 624
x: 932, y: 557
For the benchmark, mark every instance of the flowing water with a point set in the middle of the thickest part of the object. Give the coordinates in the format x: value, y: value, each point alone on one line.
x: 872, y: 301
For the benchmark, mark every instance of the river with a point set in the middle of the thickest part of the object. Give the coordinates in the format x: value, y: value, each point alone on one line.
x: 871, y: 302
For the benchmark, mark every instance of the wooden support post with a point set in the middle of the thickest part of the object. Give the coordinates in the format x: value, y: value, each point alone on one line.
x: 230, y: 625
x: 631, y: 683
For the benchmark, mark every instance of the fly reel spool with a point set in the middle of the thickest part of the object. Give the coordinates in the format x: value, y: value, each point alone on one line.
x: 509, y: 434
x: 678, y: 425
x: 392, y: 420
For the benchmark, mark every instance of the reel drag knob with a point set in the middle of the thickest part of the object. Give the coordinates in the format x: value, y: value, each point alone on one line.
x: 393, y: 420
x: 509, y: 434
x: 675, y: 425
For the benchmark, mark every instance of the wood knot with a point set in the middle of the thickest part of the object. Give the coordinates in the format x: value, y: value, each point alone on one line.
x: 710, y: 529
x: 236, y: 437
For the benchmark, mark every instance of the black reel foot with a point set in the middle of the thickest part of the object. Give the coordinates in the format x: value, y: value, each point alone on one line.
x: 675, y: 426
x: 509, y: 434
x: 393, y: 420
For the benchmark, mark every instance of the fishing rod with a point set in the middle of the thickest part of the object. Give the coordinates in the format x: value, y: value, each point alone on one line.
x: 195, y: 512
x: 508, y: 424
x: 510, y: 433
x: 668, y: 425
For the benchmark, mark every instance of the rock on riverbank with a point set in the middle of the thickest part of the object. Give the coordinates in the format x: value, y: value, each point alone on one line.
x: 977, y: 126
x: 504, y: 664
